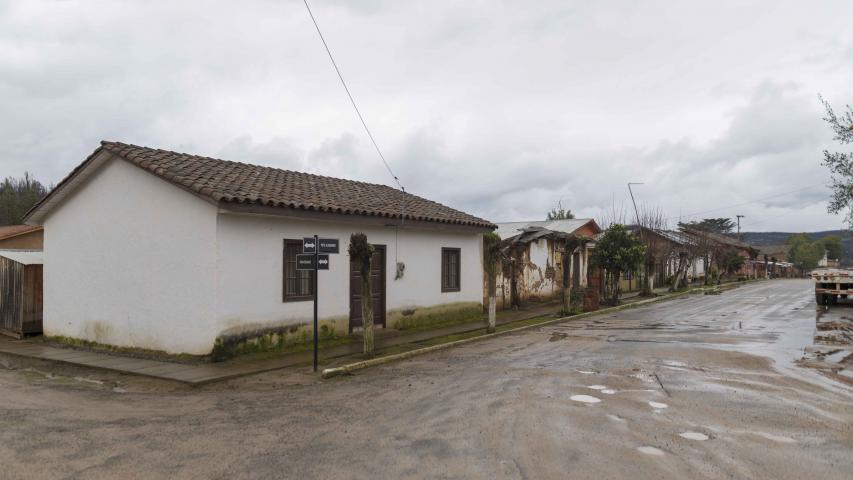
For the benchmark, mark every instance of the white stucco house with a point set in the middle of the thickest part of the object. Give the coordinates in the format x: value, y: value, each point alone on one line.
x: 167, y: 251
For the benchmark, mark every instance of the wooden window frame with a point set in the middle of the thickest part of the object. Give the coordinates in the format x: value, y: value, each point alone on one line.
x: 444, y: 273
x: 285, y: 297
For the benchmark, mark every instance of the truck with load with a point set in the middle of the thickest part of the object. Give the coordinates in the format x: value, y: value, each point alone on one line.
x: 830, y: 284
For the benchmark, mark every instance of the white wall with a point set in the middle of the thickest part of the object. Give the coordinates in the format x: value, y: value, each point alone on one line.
x: 130, y: 261
x: 250, y: 260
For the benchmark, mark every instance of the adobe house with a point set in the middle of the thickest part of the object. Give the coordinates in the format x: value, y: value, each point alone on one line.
x: 21, y: 237
x: 672, y: 249
x: 180, y: 252
x: 719, y: 244
x: 542, y: 256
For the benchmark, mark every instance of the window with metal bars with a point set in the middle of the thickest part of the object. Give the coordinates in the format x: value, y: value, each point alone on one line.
x: 450, y: 269
x: 298, y: 285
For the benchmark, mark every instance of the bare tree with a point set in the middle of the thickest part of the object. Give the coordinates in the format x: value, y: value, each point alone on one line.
x: 616, y: 214
x: 361, y: 252
x: 652, y: 221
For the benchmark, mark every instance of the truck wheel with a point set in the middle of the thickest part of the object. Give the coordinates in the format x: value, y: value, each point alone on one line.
x: 819, y: 299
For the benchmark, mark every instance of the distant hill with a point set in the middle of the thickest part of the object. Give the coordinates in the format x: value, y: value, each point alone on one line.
x: 760, y: 239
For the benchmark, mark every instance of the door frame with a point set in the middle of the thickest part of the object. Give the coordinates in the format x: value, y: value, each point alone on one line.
x: 384, y: 296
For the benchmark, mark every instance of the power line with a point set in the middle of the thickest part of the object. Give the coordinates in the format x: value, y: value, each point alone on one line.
x: 747, y: 203
x: 352, y: 100
x: 764, y: 220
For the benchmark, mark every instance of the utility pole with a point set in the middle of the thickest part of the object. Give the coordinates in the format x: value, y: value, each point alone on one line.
x: 738, y: 226
x: 645, y: 277
x: 636, y: 212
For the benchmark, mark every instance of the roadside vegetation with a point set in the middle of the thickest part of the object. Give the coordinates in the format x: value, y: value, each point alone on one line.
x: 616, y: 252
x: 840, y: 164
x: 17, y: 196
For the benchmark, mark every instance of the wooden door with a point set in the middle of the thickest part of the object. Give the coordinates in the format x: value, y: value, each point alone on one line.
x: 32, y: 307
x: 576, y: 270
x: 377, y: 274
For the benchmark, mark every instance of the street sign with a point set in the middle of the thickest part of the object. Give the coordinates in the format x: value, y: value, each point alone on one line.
x: 315, y: 257
x: 309, y: 244
x: 322, y: 262
x: 327, y: 245
x: 305, y: 261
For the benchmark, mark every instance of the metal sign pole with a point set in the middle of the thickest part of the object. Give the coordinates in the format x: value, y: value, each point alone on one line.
x: 316, y: 336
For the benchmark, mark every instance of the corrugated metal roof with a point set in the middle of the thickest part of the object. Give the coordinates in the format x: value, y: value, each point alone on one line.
x: 511, y: 229
x: 26, y: 257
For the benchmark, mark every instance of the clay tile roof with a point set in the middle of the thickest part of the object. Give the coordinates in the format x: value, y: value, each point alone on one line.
x: 234, y: 182
x: 7, y: 231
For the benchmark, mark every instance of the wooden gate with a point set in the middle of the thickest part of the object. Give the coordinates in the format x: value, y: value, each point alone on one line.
x: 20, y: 298
x: 377, y: 274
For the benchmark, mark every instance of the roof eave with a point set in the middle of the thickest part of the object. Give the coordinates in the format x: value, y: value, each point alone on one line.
x: 25, y: 232
x: 376, y: 220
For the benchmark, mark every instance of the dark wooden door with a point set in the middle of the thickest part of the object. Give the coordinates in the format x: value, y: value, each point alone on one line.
x: 576, y: 270
x: 32, y: 319
x: 377, y: 274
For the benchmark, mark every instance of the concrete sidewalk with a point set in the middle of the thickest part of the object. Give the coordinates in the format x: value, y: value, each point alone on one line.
x: 197, y: 374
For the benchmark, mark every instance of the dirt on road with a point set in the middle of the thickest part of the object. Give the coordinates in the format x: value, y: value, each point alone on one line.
x: 727, y: 386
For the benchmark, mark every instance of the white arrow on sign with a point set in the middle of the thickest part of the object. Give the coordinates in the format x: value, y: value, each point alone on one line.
x: 324, y: 261
x: 309, y: 245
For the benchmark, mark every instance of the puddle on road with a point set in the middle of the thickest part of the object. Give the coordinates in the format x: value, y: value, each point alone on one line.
x: 608, y: 391
x: 586, y: 372
x: 585, y: 398
x: 694, y: 436
x: 776, y: 438
x: 597, y: 387
x: 555, y: 336
x: 831, y: 351
x: 658, y: 405
x: 651, y: 451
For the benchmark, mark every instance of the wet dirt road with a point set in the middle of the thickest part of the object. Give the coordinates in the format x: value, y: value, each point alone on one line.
x: 725, y: 386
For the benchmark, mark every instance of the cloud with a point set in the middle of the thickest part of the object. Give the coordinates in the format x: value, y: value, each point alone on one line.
x: 502, y: 115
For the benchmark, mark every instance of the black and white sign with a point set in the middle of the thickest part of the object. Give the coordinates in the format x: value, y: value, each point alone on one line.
x: 308, y: 245
x: 305, y: 261
x: 322, y: 262
x: 327, y: 245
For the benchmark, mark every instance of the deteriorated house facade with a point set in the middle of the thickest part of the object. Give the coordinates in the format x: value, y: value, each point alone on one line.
x: 542, y: 257
x: 181, y: 252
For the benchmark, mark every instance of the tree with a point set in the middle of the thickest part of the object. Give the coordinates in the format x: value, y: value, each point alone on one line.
x: 730, y: 261
x: 616, y: 252
x: 17, y: 196
x: 560, y: 214
x: 361, y: 252
x: 652, y: 220
x: 491, y: 261
x: 832, y: 244
x: 840, y: 164
x: 713, y: 225
x: 804, y: 253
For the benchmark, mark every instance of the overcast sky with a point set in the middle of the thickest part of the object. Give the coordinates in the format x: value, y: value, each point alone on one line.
x: 500, y: 109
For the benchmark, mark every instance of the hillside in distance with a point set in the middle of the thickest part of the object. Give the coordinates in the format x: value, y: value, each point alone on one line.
x: 760, y: 239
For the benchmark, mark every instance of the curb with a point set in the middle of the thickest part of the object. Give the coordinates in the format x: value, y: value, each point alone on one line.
x: 345, y: 369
